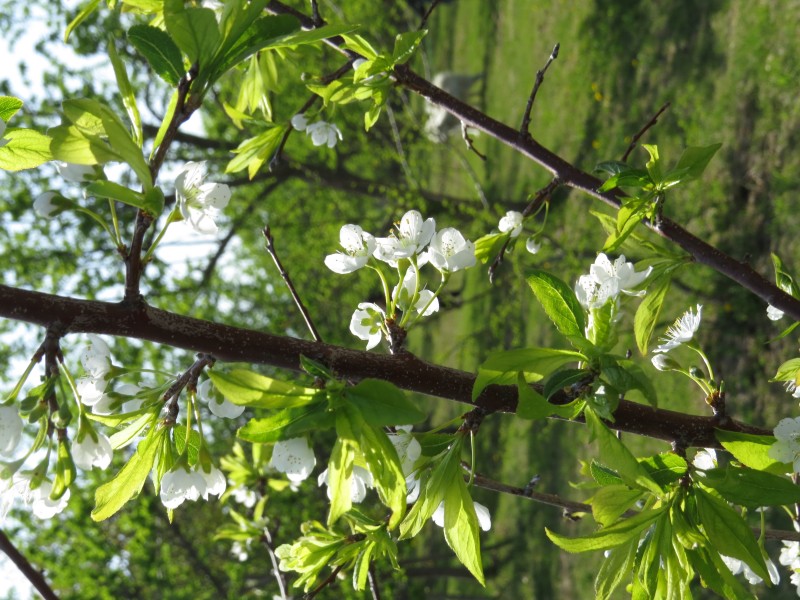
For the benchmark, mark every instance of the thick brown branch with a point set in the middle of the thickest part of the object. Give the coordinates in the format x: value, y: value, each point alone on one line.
x: 26, y: 568
x: 232, y: 344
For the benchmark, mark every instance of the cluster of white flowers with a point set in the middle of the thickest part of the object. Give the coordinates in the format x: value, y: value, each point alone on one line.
x: 182, y: 484
x: 217, y: 404
x: 320, y: 132
x: 19, y: 487
x: 200, y: 202
x: 415, y: 241
x: 790, y: 557
x: 606, y: 280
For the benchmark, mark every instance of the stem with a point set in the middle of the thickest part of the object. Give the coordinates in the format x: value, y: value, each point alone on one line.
x: 112, y: 206
x: 526, y: 120
x: 170, y: 219
x: 33, y: 575
x: 37, y: 356
x: 266, y: 539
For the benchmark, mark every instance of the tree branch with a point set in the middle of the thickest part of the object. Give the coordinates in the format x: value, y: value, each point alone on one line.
x: 233, y: 344
x: 35, y: 577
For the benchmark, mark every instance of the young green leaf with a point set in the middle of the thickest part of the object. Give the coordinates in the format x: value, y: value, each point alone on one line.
x: 194, y: 30
x: 611, y: 502
x: 246, y: 388
x: 382, y: 403
x: 461, y: 527
x: 9, y: 105
x: 750, y: 488
x: 615, y: 568
x: 612, y: 536
x: 25, y: 149
x: 752, y: 450
x: 286, y: 424
x: 85, y: 12
x: 159, y: 50
x: 112, y: 496
x: 532, y: 405
x: 115, y: 191
x: 384, y: 464
x: 489, y: 245
x: 649, y: 309
x: 405, y: 44
x: 340, y: 468
x: 729, y: 533
x: 127, y: 93
x: 559, y: 302
x: 252, y: 153
x: 695, y: 159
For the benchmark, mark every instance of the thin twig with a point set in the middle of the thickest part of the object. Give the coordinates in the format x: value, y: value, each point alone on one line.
x: 643, y: 130
x: 328, y: 580
x: 288, y: 281
x: 428, y: 13
x: 373, y: 583
x: 526, y: 119
x: 540, y: 198
x: 33, y: 575
x: 189, y: 377
x: 266, y: 539
x: 468, y: 141
x: 315, y: 16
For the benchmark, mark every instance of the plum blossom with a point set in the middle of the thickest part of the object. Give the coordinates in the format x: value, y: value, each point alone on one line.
x: 358, y: 247
x: 682, y: 330
x: 200, y: 202
x: 737, y: 566
x: 367, y: 323
x: 533, y: 245
x: 774, y: 314
x: 75, y: 173
x: 403, y: 294
x: 91, y: 390
x: 790, y: 555
x: 245, y: 497
x: 511, y: 223
x: 361, y: 480
x: 299, y: 122
x: 324, y: 133
x: 181, y: 484
x: 10, y: 429
x: 96, y: 357
x: 42, y: 505
x: 411, y: 236
x: 787, y: 446
x: 705, y: 459
x: 49, y: 204
x: 407, y: 447
x: 606, y: 280
x: 791, y: 387
x: 484, y: 518
x: 450, y: 251
x: 662, y: 362
x: 88, y: 452
x: 219, y: 406
x: 294, y: 457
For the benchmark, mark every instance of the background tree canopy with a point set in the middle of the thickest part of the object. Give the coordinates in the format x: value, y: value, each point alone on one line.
x: 729, y: 72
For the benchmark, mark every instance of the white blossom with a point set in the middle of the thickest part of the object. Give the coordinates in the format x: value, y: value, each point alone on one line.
x: 533, y: 245
x: 588, y: 292
x: 790, y: 555
x: 737, y: 566
x: 10, y: 429
x: 705, y: 459
x: 294, y: 457
x: 88, y: 452
x: 239, y: 550
x: 410, y: 237
x: 366, y: 323
x: 44, y: 205
x: 358, y: 247
x: 511, y: 223
x: 96, y: 357
x: 787, y: 445
x: 219, y: 406
x: 244, y: 496
x: 324, y: 133
x: 407, y: 447
x: 450, y: 251
x: 402, y: 295
x: 41, y: 503
x: 682, y: 330
x: 91, y: 390
x: 180, y: 485
x: 200, y: 202
x: 215, y: 483
x: 484, y: 518
x: 774, y: 314
x: 359, y: 483
x: 795, y: 579
x: 75, y: 173
x: 299, y: 122
x: 662, y: 362
x: 792, y: 388
x: 616, y: 277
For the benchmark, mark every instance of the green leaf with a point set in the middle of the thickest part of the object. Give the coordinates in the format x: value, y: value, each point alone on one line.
x: 263, y: 33
x: 649, y: 310
x: 127, y: 93
x: 559, y: 302
x: 25, y: 149
x: 728, y: 532
x: 112, y: 496
x: 695, y: 159
x: 9, y: 105
x: 611, y: 536
x: 752, y: 450
x: 162, y: 129
x: 536, y: 363
x: 654, y: 164
x: 788, y: 371
x: 252, y: 153
x: 715, y: 574
x: 532, y: 405
x: 115, y: 191
x: 65, y: 471
x: 405, y: 44
x: 604, y: 475
x: 638, y: 178
x: 626, y: 375
x: 194, y: 30
x: 195, y: 442
x: 382, y: 403
x: 489, y: 246
x: 461, y: 527
x: 384, y: 464
x: 611, y: 502
x: 312, y: 35
x: 340, y: 468
x: 665, y: 468
x: 615, y: 568
x: 246, y: 388
x: 614, y: 453
x: 161, y: 53
x: 750, y: 488
x: 286, y: 424
x: 628, y: 217
x: 565, y: 380
x: 359, y: 44
x: 85, y: 12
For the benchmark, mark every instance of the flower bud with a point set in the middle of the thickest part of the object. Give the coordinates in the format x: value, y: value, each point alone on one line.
x: 663, y: 362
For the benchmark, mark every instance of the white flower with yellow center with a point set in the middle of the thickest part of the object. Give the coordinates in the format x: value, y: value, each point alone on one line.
x: 200, y: 202
x: 450, y: 251
x: 358, y: 247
